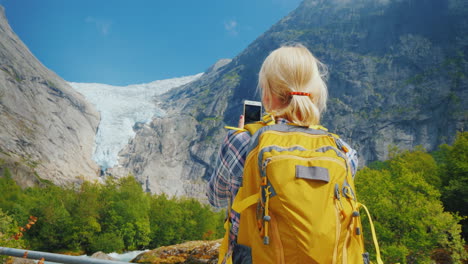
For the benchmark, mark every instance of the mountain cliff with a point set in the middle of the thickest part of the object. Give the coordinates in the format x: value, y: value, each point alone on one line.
x: 172, y: 152
x: 46, y: 128
x: 397, y: 77
x: 120, y: 107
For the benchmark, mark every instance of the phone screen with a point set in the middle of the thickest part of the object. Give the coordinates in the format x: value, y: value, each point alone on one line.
x: 252, y: 113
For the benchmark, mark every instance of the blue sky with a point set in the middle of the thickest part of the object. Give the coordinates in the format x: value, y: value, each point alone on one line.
x: 123, y: 42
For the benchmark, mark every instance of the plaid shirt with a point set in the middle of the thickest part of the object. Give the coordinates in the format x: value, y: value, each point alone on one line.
x: 227, y: 176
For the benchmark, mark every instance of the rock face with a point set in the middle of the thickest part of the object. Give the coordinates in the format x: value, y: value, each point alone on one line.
x: 172, y: 152
x: 46, y: 128
x: 397, y: 77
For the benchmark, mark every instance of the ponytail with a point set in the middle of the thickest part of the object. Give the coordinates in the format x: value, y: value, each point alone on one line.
x: 296, y: 78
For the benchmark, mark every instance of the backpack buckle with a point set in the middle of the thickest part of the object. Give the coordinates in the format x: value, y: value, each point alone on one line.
x: 264, y: 181
x: 268, y: 119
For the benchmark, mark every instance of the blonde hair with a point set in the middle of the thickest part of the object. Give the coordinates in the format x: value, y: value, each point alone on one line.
x: 294, y: 69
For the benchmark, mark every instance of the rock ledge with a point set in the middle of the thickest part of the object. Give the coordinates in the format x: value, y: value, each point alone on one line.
x: 193, y: 252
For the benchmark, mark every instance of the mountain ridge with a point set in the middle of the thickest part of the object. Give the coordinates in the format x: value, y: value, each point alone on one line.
x: 47, y: 127
x: 160, y: 160
x: 382, y: 93
x: 123, y: 108
x: 397, y: 78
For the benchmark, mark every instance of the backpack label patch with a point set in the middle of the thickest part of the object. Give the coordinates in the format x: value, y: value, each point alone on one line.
x: 312, y: 173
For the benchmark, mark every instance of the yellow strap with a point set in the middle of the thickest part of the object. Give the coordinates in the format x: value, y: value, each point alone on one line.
x: 318, y: 127
x: 235, y: 128
x: 268, y: 119
x: 224, y: 254
x: 243, y: 204
x: 238, y: 207
x: 374, y: 236
x: 267, y: 213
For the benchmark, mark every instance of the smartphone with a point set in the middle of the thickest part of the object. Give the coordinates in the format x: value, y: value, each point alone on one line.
x: 252, y: 111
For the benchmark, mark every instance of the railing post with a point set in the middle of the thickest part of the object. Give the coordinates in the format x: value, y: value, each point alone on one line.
x: 59, y: 258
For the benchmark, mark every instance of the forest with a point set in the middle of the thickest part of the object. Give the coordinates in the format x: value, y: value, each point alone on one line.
x: 115, y: 217
x: 418, y: 202
x: 416, y: 199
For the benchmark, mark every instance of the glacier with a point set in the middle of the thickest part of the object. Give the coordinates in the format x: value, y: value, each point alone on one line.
x: 121, y: 107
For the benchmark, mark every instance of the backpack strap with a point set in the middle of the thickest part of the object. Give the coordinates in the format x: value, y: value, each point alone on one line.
x: 235, y: 128
x: 267, y: 120
x: 374, y: 236
x: 247, y: 202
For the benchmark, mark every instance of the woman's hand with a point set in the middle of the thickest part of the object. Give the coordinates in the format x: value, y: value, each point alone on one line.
x: 241, y: 121
x: 240, y: 125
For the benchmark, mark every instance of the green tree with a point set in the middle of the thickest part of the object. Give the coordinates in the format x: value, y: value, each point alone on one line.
x: 454, y: 177
x: 197, y: 219
x: 11, y: 197
x: 176, y: 220
x: 8, y: 228
x: 107, y: 242
x: 419, y: 161
x: 166, y: 218
x: 125, y: 212
x: 409, y: 217
x: 220, y: 218
x: 52, y: 230
x: 84, y: 210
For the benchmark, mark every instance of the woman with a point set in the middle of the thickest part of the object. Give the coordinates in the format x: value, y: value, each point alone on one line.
x: 294, y: 92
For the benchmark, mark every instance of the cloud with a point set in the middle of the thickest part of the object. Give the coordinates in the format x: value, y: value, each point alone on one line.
x: 231, y: 26
x: 103, y: 26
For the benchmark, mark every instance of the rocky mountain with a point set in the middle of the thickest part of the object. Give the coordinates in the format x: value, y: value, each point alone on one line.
x: 166, y: 155
x: 397, y: 77
x: 47, y: 129
x: 120, y: 108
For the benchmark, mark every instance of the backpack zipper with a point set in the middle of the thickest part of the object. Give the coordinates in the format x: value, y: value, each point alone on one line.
x: 345, y: 249
x: 339, y: 209
x: 339, y: 215
x: 278, y: 157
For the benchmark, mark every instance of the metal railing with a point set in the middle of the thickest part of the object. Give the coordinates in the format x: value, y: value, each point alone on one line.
x: 52, y: 257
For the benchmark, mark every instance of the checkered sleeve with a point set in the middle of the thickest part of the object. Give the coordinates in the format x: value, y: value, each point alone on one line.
x: 227, y: 174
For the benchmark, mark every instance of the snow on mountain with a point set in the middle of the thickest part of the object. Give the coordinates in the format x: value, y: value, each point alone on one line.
x: 121, y: 107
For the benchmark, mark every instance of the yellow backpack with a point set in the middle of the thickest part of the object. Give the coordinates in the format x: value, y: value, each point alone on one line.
x: 297, y: 202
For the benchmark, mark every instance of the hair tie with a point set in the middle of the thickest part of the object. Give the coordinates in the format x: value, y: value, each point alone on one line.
x: 299, y: 93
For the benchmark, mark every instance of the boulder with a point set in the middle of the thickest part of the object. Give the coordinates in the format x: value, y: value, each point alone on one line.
x: 102, y: 255
x: 193, y: 252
